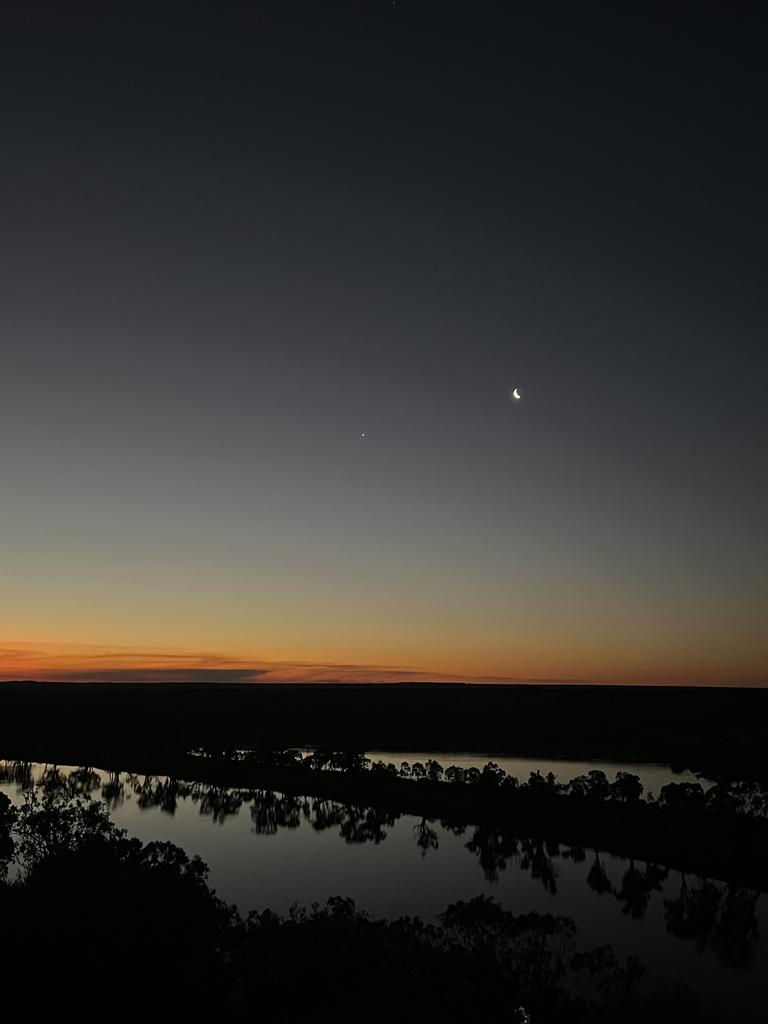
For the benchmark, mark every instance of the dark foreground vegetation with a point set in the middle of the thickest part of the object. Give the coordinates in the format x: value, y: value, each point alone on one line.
x: 94, y: 921
x: 711, y: 914
x: 721, y: 733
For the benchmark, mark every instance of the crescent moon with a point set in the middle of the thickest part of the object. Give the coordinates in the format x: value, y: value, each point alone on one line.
x: 516, y: 395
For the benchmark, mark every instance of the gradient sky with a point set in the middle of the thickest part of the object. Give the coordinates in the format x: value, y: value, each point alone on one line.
x: 235, y: 237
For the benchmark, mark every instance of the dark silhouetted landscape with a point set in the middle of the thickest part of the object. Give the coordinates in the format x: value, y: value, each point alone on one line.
x: 383, y: 504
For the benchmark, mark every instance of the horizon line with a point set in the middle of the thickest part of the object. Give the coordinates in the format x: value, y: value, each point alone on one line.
x: 76, y: 680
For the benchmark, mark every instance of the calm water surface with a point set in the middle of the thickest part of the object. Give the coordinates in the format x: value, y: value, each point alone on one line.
x: 267, y: 851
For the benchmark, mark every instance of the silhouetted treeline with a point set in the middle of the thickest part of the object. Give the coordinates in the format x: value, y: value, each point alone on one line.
x: 748, y: 799
x: 721, y: 733
x: 724, y: 798
x: 94, y: 921
x: 684, y: 828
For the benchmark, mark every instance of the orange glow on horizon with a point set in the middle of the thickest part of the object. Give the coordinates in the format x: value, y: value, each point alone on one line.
x: 101, y: 662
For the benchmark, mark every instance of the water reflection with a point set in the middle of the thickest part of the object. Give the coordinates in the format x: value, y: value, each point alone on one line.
x: 271, y: 811
x: 637, y: 886
x: 17, y: 773
x: 426, y: 837
x: 722, y: 918
x: 711, y: 915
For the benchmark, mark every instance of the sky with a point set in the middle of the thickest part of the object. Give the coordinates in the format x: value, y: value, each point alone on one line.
x: 268, y: 274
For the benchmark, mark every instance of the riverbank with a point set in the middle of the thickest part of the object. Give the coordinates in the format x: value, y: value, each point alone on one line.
x: 729, y: 848
x: 719, y: 733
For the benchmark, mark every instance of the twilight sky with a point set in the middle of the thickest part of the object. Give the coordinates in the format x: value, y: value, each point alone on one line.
x: 235, y: 237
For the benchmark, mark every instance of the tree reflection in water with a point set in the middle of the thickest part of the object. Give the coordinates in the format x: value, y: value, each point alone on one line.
x: 637, y: 886
x: 712, y: 915
x: 736, y: 938
x: 16, y: 773
x: 494, y: 847
x: 426, y: 837
x: 273, y: 811
x: 162, y: 793
x: 365, y: 825
x: 716, y: 916
x: 113, y: 790
x: 325, y: 814
x: 597, y: 877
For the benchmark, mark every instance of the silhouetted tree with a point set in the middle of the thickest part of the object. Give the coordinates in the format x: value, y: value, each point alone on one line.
x: 492, y: 776
x: 682, y: 797
x: 55, y: 818
x: 537, y: 783
x: 751, y: 798
x: 626, y: 789
x: 7, y: 818
x: 98, y: 898
x: 348, y: 761
x: 318, y: 760
x: 509, y: 784
x: 537, y: 952
x: 721, y: 799
x: 108, y: 903
x: 599, y: 787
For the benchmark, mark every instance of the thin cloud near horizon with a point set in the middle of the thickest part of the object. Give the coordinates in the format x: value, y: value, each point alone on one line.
x: 90, y: 663
x: 96, y: 663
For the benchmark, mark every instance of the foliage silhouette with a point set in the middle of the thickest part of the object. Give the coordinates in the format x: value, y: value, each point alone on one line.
x: 131, y: 914
x: 726, y: 798
x: 7, y: 818
x: 705, y: 913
